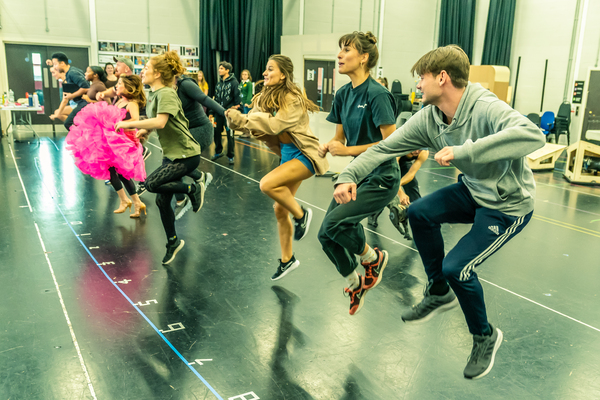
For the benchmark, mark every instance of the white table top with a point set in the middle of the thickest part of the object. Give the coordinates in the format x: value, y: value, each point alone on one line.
x: 20, y: 108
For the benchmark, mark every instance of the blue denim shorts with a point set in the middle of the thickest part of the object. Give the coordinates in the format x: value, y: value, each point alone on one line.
x: 289, y: 151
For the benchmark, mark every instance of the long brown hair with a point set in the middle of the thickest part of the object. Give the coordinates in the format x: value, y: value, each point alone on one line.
x: 134, y: 90
x: 272, y: 98
x: 169, y: 66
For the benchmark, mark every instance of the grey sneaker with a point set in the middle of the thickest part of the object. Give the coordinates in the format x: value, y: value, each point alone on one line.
x: 430, y: 306
x: 197, y: 197
x: 182, y: 208
x: 483, y: 354
x: 207, y: 177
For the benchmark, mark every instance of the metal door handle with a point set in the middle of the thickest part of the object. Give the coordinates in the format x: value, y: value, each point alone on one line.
x: 330, y: 85
x: 46, y: 80
x: 54, y: 83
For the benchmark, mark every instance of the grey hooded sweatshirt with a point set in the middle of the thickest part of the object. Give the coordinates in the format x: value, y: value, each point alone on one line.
x: 490, y: 141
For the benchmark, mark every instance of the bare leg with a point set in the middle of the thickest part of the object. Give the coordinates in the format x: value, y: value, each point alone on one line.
x: 285, y: 227
x: 277, y: 183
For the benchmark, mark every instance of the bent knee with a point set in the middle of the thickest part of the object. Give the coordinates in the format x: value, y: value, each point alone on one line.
x: 454, y: 273
x: 265, y: 185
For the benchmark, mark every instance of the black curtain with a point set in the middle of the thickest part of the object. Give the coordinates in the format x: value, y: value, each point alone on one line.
x: 498, y: 34
x: 457, y: 24
x: 245, y: 32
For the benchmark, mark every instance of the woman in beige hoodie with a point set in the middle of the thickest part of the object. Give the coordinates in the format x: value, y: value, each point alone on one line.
x: 279, y: 117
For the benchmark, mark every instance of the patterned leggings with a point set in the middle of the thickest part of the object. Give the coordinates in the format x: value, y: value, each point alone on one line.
x: 165, y: 181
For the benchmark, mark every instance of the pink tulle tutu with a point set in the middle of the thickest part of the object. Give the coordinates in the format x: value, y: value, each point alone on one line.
x: 96, y: 146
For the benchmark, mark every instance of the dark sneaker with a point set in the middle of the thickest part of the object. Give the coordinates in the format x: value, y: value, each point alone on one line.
x: 172, y: 250
x: 483, y: 353
x: 399, y: 218
x: 182, y: 208
x: 216, y: 156
x: 374, y: 270
x: 301, y: 225
x: 141, y: 189
x: 231, y: 161
x: 430, y: 306
x: 146, y: 153
x: 285, y: 268
x: 357, y: 296
x: 197, y: 196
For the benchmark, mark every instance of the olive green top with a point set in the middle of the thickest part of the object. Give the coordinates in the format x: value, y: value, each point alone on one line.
x: 175, y: 138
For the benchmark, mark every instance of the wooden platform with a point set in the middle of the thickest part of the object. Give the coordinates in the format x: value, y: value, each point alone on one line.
x: 545, y: 158
x: 576, y: 153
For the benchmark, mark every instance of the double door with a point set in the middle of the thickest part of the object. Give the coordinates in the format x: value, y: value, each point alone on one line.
x: 27, y: 72
x: 319, y: 82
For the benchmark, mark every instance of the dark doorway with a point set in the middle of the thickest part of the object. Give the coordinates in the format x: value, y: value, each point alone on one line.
x: 319, y: 82
x: 27, y: 71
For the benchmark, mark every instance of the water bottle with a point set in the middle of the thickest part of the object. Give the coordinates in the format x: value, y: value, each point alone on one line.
x: 36, y: 100
x: 11, y: 96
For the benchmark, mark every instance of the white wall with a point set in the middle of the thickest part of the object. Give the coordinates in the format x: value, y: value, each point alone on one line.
x: 23, y: 21
x: 291, y: 17
x: 542, y: 31
x: 408, y: 33
x: 409, y: 27
x: 175, y: 22
x: 334, y: 16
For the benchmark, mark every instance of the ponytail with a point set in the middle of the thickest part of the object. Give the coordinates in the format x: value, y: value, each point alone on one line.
x: 168, y: 65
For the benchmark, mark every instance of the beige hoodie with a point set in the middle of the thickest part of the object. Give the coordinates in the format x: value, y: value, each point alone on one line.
x: 266, y: 127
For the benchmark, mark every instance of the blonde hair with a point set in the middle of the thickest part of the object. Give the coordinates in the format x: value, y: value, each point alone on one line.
x: 272, y: 98
x: 203, y: 84
x: 249, y: 75
x: 364, y: 43
x: 451, y: 59
x: 168, y: 65
x: 134, y: 89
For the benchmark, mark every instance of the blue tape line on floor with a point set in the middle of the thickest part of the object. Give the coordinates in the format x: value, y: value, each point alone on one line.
x: 123, y: 293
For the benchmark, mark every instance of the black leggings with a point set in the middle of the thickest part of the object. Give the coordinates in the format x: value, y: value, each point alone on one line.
x: 166, y: 181
x: 116, y: 179
x: 203, y: 134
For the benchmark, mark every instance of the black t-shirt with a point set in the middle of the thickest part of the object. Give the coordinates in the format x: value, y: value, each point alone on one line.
x: 76, y: 76
x: 362, y: 110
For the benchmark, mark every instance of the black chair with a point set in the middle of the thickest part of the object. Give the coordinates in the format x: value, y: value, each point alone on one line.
x: 562, y: 122
x: 535, y: 118
x: 402, y: 101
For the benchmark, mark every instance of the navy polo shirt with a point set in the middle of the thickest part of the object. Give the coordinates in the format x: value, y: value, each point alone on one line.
x: 362, y: 110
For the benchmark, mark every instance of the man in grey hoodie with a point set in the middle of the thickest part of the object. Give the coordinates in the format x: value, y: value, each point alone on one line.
x: 469, y: 127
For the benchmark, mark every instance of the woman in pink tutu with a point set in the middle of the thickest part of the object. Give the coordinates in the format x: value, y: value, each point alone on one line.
x: 104, y: 153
